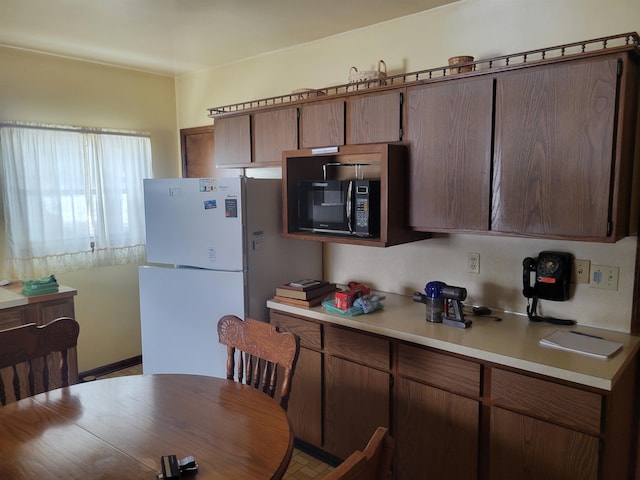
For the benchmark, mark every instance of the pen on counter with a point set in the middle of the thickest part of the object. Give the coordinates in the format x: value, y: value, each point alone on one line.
x: 586, y: 335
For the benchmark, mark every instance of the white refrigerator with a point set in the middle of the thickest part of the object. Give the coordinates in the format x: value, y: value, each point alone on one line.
x: 213, y: 248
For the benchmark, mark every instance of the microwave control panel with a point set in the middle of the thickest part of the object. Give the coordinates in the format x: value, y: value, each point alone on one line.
x: 367, y: 195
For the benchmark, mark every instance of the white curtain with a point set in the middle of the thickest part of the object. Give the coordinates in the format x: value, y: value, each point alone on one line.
x: 73, y: 199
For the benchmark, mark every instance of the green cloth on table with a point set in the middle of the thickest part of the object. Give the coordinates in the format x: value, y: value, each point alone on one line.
x: 40, y: 286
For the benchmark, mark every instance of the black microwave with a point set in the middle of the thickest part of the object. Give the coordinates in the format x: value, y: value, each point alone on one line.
x: 345, y: 207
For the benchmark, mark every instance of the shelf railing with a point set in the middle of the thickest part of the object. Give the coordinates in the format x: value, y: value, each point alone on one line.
x: 586, y: 47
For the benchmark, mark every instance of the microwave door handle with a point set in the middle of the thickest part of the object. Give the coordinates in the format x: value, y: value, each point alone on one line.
x: 348, y: 206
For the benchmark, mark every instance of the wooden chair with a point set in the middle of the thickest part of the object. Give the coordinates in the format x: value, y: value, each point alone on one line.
x: 261, y: 349
x: 373, y: 463
x: 26, y: 354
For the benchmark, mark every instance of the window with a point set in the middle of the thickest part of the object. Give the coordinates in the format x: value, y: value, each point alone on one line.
x: 73, y: 198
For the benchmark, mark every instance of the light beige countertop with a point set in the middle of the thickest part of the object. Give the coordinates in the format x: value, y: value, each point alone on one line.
x: 11, y: 296
x: 9, y: 299
x: 512, y: 342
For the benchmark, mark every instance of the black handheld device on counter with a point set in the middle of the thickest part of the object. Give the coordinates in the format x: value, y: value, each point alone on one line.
x: 170, y: 470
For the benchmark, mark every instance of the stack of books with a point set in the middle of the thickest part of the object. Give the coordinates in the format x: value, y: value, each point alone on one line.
x: 304, y: 293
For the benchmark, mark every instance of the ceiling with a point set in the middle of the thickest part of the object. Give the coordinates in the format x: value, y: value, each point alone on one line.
x: 173, y: 37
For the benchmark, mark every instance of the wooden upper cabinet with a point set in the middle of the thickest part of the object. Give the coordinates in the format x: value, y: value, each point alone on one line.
x: 375, y: 118
x: 554, y: 150
x: 544, y: 148
x: 322, y: 124
x: 232, y: 141
x: 274, y: 131
x: 449, y: 135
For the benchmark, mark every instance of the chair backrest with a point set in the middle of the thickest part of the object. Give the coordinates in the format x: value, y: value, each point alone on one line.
x: 261, y: 348
x: 373, y: 463
x: 26, y: 354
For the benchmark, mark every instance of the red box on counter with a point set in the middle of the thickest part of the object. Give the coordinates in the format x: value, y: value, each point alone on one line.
x: 344, y: 300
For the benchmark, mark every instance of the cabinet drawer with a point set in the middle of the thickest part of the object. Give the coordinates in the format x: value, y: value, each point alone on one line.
x: 12, y: 317
x: 361, y: 348
x: 549, y: 401
x: 443, y: 371
x: 308, y: 332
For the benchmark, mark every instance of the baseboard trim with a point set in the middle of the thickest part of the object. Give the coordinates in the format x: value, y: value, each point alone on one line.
x: 112, y: 367
x: 317, y: 452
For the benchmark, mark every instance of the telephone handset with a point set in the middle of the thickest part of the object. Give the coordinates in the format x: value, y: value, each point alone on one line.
x: 552, y: 273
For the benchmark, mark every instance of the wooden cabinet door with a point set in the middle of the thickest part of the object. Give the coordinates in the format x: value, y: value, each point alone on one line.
x: 375, y: 118
x: 435, y: 432
x: 274, y: 131
x: 529, y: 449
x: 232, y: 141
x: 305, y: 401
x: 13, y: 317
x: 449, y: 134
x: 356, y: 403
x: 197, y: 152
x: 553, y: 158
x: 322, y: 124
x: 53, y: 309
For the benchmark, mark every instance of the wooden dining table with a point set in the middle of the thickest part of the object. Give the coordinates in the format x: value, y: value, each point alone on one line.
x: 119, y: 428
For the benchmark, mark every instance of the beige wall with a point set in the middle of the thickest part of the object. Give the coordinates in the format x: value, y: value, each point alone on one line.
x: 483, y: 28
x: 46, y: 89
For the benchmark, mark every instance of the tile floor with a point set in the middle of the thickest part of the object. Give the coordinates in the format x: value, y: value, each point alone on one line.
x: 302, y: 467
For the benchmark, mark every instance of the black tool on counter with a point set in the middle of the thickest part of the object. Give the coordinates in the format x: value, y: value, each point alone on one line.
x: 552, y: 278
x: 453, y: 314
x: 484, y: 312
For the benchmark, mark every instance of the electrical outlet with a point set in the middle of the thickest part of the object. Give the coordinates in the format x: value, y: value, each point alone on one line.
x: 604, y: 276
x: 473, y: 263
x: 581, y: 269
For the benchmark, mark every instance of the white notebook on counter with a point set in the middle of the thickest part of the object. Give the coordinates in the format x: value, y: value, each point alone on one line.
x: 581, y: 343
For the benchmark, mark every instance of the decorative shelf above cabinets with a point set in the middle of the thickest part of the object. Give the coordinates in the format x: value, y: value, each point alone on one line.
x: 383, y: 162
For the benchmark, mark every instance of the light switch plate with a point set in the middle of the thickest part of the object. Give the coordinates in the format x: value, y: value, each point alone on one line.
x: 604, y: 276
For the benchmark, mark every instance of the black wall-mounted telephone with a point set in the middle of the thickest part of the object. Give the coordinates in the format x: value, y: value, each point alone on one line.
x: 552, y: 276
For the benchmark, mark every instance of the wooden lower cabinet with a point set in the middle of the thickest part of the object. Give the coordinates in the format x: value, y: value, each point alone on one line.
x: 436, y: 434
x: 13, y: 317
x: 529, y: 449
x: 357, y: 402
x: 437, y: 415
x: 455, y: 417
x: 40, y: 310
x: 305, y: 400
x: 542, y: 428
